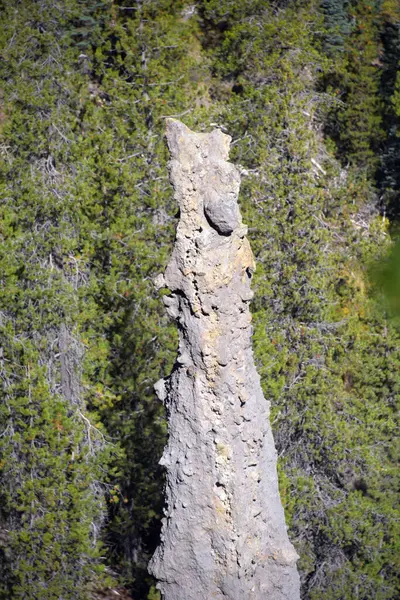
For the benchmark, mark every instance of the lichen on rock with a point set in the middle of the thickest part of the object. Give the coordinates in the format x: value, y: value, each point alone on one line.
x: 224, y: 534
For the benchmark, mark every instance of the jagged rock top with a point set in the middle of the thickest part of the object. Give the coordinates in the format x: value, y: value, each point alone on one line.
x: 210, y: 239
x: 189, y: 151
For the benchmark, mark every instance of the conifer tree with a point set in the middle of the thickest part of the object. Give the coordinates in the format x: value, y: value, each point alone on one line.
x: 388, y: 178
x: 338, y: 24
x: 357, y: 128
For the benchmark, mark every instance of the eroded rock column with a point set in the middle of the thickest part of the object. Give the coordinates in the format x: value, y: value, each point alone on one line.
x: 224, y: 534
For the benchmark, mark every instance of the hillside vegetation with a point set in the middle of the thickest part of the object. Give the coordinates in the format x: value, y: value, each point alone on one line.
x: 309, y: 90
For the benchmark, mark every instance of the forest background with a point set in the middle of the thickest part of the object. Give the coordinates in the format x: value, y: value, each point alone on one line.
x: 309, y: 90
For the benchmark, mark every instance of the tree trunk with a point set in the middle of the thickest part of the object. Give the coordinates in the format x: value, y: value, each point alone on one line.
x: 224, y: 533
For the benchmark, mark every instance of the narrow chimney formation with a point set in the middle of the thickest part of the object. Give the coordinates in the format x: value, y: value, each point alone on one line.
x: 224, y: 535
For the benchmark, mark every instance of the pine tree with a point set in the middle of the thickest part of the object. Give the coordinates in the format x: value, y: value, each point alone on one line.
x: 357, y: 127
x: 338, y: 25
x: 388, y: 178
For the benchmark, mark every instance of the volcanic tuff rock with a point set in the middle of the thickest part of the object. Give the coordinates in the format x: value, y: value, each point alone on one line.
x: 224, y: 534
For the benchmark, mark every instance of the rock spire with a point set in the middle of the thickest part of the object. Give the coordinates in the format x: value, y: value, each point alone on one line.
x: 224, y: 535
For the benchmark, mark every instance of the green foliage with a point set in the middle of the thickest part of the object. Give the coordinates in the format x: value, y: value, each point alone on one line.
x: 388, y: 176
x: 337, y: 23
x: 385, y: 276
x: 356, y: 121
x: 53, y: 452
x: 87, y: 220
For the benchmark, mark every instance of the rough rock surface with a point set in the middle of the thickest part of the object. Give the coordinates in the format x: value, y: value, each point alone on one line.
x: 224, y: 534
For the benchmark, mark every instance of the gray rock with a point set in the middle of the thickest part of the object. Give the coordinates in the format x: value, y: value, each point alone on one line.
x: 224, y: 535
x: 220, y: 199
